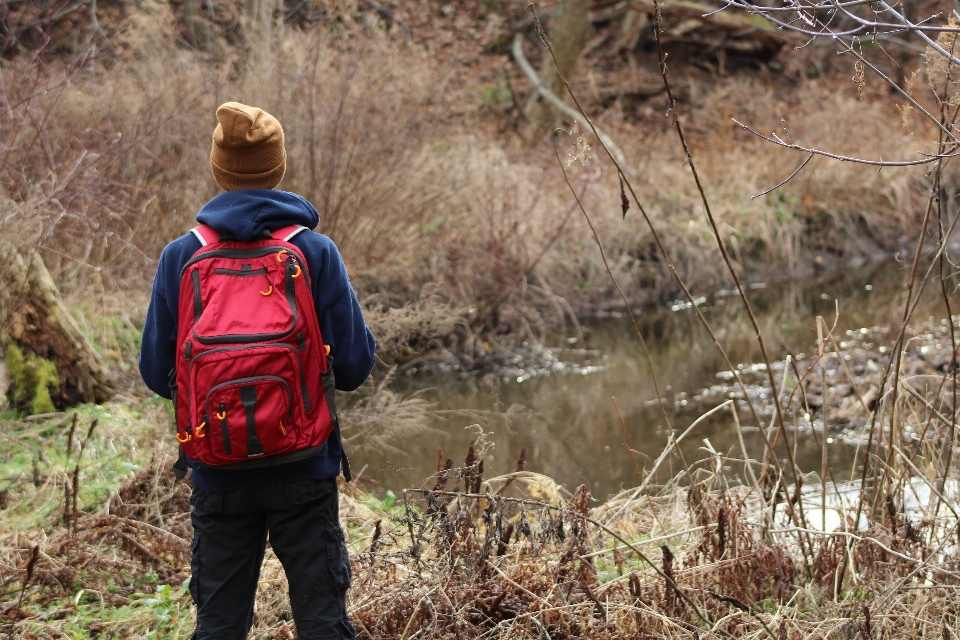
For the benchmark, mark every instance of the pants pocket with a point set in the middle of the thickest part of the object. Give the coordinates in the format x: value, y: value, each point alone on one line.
x: 338, y: 558
x: 206, y: 502
x: 302, y: 492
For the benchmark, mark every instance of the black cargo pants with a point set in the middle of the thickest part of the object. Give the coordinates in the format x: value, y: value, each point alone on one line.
x: 229, y: 540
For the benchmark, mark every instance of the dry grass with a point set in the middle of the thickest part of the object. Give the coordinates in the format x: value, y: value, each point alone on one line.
x: 103, y: 160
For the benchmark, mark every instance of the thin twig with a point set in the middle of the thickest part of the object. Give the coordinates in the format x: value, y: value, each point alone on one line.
x: 789, y: 178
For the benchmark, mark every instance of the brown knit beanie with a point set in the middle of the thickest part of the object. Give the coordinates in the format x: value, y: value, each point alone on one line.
x: 247, y: 150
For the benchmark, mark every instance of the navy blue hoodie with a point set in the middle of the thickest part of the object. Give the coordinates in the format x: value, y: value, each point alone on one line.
x: 246, y: 214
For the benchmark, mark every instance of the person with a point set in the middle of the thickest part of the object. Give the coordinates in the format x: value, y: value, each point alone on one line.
x: 296, y: 503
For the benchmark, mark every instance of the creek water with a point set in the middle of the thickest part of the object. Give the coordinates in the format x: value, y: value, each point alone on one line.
x: 564, y: 414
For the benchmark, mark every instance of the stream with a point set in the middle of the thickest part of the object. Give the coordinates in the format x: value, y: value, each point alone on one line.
x: 562, y: 411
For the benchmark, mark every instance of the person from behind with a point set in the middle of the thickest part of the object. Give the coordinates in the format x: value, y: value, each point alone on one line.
x: 251, y: 326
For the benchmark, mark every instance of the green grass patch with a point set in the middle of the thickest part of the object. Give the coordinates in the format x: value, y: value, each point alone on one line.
x: 36, y: 462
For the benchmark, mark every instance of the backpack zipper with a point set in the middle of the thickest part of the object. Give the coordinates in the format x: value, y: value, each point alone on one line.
x: 258, y: 252
x: 234, y: 272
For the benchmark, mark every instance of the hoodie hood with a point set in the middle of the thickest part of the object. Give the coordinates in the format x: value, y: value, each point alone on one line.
x: 249, y: 212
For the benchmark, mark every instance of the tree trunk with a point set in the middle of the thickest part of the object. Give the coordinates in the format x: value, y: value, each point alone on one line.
x: 198, y: 29
x: 32, y: 314
x: 568, y: 35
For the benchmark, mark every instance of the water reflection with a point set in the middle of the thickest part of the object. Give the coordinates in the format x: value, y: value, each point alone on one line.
x: 569, y: 424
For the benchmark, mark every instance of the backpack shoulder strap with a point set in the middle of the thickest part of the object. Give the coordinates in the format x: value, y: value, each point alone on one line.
x: 286, y: 233
x: 205, y: 234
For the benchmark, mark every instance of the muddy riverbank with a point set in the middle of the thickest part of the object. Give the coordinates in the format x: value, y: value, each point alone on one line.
x: 557, y: 401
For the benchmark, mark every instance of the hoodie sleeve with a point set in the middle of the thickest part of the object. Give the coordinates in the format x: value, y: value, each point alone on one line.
x: 352, y: 344
x: 159, y: 343
x: 341, y: 318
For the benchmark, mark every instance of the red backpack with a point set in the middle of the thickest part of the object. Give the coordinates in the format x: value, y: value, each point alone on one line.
x: 253, y: 380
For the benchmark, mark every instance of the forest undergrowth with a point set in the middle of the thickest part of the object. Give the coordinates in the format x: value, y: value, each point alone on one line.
x: 437, y: 199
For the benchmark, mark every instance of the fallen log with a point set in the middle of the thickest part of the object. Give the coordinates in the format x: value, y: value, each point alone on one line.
x: 694, y: 23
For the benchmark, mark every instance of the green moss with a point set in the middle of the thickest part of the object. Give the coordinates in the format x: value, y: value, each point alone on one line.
x: 16, y: 369
x: 46, y: 377
x: 30, y: 381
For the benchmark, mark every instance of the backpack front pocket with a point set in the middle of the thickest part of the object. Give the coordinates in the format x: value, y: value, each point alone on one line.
x: 250, y: 417
x: 252, y: 300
